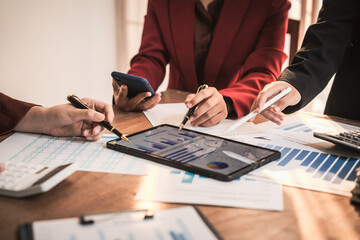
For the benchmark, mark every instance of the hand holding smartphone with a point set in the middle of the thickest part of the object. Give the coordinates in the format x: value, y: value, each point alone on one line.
x: 135, y: 84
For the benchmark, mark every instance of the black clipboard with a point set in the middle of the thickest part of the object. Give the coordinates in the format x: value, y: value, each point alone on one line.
x: 25, y: 231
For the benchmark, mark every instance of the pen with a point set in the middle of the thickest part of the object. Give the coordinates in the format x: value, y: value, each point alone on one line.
x: 191, y: 110
x: 76, y: 102
x: 254, y: 113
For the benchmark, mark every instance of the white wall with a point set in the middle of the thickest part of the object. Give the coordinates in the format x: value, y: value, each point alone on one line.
x: 50, y: 48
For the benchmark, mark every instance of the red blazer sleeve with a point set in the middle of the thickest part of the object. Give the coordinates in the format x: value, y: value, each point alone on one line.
x: 11, y: 112
x: 152, y: 58
x: 263, y: 64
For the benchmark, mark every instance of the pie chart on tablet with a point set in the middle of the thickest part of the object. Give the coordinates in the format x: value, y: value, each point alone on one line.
x: 217, y: 165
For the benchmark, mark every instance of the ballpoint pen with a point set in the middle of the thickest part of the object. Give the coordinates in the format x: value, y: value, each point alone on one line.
x: 76, y: 102
x: 191, y: 110
x: 254, y: 113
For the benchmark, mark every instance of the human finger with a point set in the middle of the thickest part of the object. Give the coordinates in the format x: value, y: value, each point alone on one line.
x: 200, y: 96
x: 133, y: 103
x: 2, y: 167
x: 210, y: 118
x: 117, y: 93
x: 89, y: 115
x: 149, y: 103
x: 93, y: 134
x: 101, y: 107
x: 272, y: 116
x: 189, y: 98
x: 264, y: 96
x: 205, y: 110
x: 213, y: 121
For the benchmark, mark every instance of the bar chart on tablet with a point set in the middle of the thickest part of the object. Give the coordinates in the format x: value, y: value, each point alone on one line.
x: 312, y: 170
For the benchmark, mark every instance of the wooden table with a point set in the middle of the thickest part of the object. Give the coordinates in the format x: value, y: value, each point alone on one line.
x: 307, y: 214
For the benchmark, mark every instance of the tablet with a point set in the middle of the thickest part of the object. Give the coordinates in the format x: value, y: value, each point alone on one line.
x: 207, y: 155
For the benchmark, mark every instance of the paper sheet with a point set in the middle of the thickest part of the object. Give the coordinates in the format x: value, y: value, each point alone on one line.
x: 173, y: 113
x: 169, y: 224
x: 183, y: 187
x: 299, y: 128
x: 310, y: 168
x: 90, y: 156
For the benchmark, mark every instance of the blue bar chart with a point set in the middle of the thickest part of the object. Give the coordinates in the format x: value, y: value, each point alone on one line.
x: 296, y: 127
x: 311, y: 169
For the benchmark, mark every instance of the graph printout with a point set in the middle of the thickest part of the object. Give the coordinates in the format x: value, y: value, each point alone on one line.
x: 89, y: 155
x: 311, y: 169
x: 177, y: 186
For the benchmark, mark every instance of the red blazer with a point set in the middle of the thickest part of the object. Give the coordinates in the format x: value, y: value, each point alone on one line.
x: 11, y: 112
x: 246, y: 51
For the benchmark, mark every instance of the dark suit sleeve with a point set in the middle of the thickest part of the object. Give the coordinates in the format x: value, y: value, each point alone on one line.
x: 11, y: 112
x: 322, y: 50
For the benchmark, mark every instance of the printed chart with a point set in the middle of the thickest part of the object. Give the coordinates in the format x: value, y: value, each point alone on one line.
x: 183, y: 187
x: 90, y: 156
x: 311, y: 169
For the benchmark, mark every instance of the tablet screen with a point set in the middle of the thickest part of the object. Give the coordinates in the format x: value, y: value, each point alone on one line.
x: 196, y: 149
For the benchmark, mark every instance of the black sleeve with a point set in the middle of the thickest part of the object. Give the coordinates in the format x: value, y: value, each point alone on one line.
x: 322, y: 50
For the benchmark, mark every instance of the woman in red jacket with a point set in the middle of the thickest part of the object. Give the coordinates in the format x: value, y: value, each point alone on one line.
x: 235, y: 47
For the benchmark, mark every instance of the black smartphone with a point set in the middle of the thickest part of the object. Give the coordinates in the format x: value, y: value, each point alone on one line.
x: 135, y: 84
x: 207, y: 155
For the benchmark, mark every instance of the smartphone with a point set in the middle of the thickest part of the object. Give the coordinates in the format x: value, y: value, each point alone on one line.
x: 207, y: 155
x: 135, y: 84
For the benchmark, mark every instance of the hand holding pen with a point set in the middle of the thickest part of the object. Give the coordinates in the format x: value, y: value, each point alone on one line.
x: 76, y: 102
x: 252, y: 114
x: 191, y: 110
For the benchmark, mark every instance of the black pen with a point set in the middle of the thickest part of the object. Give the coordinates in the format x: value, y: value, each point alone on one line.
x: 76, y: 102
x: 191, y: 110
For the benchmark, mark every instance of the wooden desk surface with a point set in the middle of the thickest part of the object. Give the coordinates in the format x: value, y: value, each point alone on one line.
x: 307, y: 214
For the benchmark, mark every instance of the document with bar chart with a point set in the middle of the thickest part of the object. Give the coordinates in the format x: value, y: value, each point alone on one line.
x: 311, y: 169
x: 299, y: 128
x: 177, y: 186
x: 90, y: 156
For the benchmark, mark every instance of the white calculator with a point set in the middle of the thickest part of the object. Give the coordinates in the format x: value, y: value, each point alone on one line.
x: 24, y: 179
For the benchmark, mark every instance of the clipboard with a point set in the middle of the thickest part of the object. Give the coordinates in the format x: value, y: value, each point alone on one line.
x: 181, y: 223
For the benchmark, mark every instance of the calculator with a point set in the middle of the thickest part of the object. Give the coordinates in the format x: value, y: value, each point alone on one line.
x: 349, y: 139
x: 24, y: 179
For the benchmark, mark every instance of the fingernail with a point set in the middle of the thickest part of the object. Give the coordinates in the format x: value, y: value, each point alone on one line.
x: 96, y: 131
x: 86, y: 133
x: 277, y: 108
x: 189, y: 105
